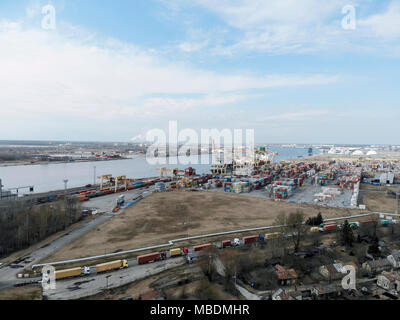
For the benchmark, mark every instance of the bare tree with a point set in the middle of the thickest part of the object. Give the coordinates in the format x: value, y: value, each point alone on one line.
x: 293, y: 226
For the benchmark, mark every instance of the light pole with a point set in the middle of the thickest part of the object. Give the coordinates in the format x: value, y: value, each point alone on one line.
x: 94, y: 175
x: 65, y: 185
x: 107, y: 280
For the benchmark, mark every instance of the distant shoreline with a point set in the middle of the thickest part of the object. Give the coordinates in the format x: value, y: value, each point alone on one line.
x: 22, y: 163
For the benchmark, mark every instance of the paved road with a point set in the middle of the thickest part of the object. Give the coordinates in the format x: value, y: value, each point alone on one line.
x: 8, y: 274
x: 93, y: 284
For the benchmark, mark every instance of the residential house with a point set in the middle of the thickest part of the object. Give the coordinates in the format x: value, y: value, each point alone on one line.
x: 336, y: 270
x: 394, y: 258
x: 286, y: 276
x: 281, y: 294
x: 389, y: 280
x: 326, y: 291
x: 377, y: 266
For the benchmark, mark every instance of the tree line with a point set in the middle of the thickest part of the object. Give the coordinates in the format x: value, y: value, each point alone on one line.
x: 22, y: 223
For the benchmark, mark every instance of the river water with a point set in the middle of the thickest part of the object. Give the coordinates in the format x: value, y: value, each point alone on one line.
x: 50, y: 177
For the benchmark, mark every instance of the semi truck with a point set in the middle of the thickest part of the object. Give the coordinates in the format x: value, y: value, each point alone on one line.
x: 175, y: 252
x: 329, y: 227
x: 274, y: 235
x: 250, y: 239
x: 155, y: 256
x: 70, y: 273
x: 385, y: 222
x: 121, y: 201
x: 354, y: 224
x: 113, y: 265
x: 226, y: 243
x: 202, y: 247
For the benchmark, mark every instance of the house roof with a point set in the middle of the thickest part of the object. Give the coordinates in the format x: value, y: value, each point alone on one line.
x: 396, y: 254
x: 282, y: 294
x: 379, y: 263
x: 329, y: 288
x: 152, y: 295
x: 285, y: 274
x: 391, y: 276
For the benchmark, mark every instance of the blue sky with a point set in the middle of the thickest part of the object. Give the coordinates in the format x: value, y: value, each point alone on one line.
x: 285, y: 68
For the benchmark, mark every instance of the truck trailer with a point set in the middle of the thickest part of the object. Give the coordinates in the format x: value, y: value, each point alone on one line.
x: 202, y: 247
x: 113, y: 265
x: 330, y: 227
x: 155, y: 256
x: 70, y: 273
x: 175, y: 252
x: 226, y: 243
x: 274, y: 235
x: 250, y: 239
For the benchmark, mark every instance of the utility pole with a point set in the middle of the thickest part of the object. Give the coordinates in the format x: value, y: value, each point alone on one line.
x: 94, y: 175
x: 65, y: 185
x: 107, y: 280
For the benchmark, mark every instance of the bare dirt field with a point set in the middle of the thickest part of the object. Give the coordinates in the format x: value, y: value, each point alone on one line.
x: 22, y: 293
x: 376, y: 198
x: 162, y: 216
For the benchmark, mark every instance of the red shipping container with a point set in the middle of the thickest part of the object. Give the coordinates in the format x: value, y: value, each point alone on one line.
x: 202, y: 247
x: 250, y: 239
x: 226, y: 243
x: 330, y: 227
x: 148, y: 257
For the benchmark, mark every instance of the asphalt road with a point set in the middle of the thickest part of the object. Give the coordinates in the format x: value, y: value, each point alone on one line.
x: 8, y: 273
x: 81, y: 287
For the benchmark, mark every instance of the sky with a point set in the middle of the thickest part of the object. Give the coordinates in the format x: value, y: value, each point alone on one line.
x: 295, y: 71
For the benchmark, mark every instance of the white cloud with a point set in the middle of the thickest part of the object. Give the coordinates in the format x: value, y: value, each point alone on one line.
x: 51, y: 74
x: 386, y: 24
x: 292, y: 26
x: 276, y: 26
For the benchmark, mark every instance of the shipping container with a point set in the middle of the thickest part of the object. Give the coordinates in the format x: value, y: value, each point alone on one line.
x: 113, y: 265
x: 68, y: 273
x: 226, y: 243
x: 273, y: 235
x: 384, y: 222
x: 250, y: 239
x: 330, y: 227
x: 149, y: 257
x: 202, y: 247
x: 175, y: 252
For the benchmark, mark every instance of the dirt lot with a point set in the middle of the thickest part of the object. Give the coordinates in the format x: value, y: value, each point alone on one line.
x: 376, y: 199
x: 22, y: 293
x: 161, y: 217
x: 185, y: 290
